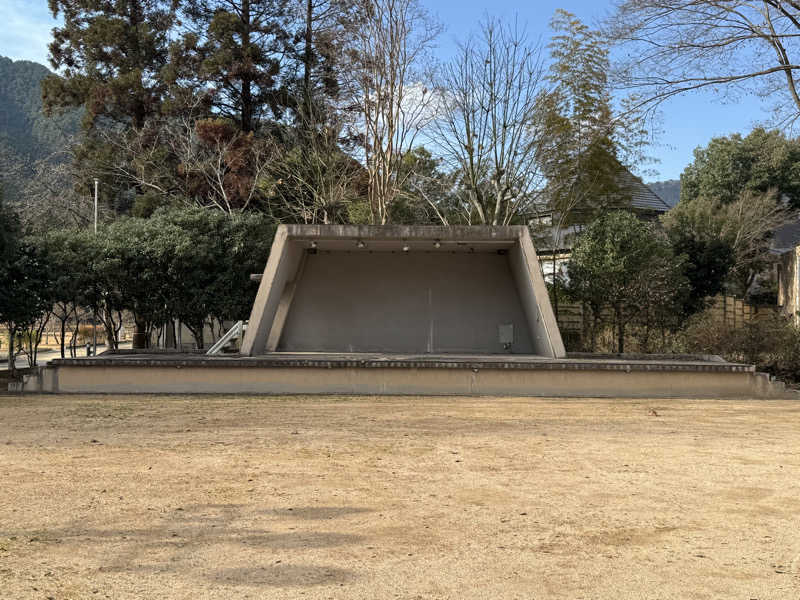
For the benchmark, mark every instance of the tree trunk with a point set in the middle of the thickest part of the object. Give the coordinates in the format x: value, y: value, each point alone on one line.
x: 73, y: 342
x: 139, y: 335
x: 199, y: 337
x: 247, y: 92
x: 135, y: 18
x: 12, y: 360
x: 646, y: 340
x: 111, y: 329
x: 63, y: 335
x: 169, y: 335
x: 620, y: 330
x: 307, y: 62
x: 37, y: 334
x: 197, y: 333
x: 555, y: 286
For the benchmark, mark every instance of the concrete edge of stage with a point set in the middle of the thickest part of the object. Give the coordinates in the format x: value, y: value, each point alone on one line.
x: 620, y: 376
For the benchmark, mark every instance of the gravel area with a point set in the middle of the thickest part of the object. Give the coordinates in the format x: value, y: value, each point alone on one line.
x: 131, y: 497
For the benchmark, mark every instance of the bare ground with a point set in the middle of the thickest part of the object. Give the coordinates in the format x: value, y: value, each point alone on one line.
x: 413, y: 498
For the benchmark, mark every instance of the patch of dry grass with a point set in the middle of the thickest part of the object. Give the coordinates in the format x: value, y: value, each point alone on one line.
x: 155, y: 497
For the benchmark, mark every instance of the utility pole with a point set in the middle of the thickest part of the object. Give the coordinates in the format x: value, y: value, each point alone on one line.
x: 96, y: 188
x: 94, y: 321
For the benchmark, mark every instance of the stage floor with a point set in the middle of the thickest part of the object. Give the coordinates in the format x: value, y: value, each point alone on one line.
x: 329, y: 360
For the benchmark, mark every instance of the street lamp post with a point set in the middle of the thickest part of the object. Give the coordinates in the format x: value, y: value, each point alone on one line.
x: 96, y: 188
x: 94, y: 321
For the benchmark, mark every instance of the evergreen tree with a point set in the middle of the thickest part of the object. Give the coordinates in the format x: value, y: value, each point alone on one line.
x: 109, y: 55
x: 233, y: 53
x: 25, y: 284
x: 9, y: 230
x: 317, y: 178
x: 758, y: 162
x: 322, y: 38
x: 627, y: 266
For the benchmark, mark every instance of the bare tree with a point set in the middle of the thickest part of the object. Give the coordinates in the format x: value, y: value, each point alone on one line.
x: 227, y: 165
x: 675, y: 46
x: 748, y: 224
x: 205, y: 162
x: 51, y: 192
x: 391, y: 51
x: 57, y: 194
x: 313, y: 181
x: 32, y: 338
x: 145, y: 157
x: 489, y: 127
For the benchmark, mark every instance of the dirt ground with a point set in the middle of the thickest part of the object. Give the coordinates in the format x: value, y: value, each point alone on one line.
x: 411, y: 498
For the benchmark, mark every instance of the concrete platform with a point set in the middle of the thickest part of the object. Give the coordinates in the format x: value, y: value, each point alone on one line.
x: 642, y: 376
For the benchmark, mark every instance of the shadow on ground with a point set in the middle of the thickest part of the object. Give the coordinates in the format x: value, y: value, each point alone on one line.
x: 185, y: 534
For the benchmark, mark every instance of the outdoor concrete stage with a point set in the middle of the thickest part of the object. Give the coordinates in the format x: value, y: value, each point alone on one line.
x: 463, y: 311
x: 398, y: 374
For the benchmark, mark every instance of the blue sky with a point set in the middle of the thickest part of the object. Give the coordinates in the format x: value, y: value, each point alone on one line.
x: 687, y: 122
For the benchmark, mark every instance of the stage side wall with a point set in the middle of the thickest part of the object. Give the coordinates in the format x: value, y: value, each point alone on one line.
x: 405, y: 302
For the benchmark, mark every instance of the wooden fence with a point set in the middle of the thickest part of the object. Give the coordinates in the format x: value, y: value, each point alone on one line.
x: 726, y: 310
x: 570, y: 317
x: 734, y: 312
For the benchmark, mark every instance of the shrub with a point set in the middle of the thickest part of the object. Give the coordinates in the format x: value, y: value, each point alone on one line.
x: 627, y: 267
x: 771, y: 343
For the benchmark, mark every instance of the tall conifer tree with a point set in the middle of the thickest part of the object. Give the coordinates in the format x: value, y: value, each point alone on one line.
x: 236, y: 49
x: 109, y: 55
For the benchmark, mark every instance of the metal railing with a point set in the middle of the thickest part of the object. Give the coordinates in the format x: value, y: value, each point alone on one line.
x: 234, y: 332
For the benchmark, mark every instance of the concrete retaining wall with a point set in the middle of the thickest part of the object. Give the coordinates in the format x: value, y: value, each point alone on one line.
x: 546, y: 382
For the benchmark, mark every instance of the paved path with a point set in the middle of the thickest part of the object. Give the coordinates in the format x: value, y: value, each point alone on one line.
x: 48, y: 354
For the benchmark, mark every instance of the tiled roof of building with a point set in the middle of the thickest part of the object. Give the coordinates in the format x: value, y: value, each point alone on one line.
x: 642, y: 197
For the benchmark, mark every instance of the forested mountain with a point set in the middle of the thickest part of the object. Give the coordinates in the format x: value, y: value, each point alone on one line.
x: 669, y: 191
x: 26, y: 134
x: 24, y: 129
